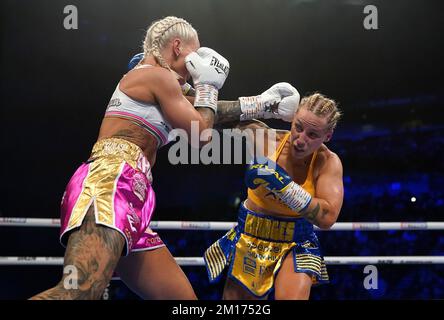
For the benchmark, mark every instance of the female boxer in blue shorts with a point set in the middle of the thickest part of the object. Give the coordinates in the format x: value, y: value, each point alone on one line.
x: 273, y: 251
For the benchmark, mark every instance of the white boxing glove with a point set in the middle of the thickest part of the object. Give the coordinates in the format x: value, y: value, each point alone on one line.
x: 287, y: 108
x: 209, y: 71
x: 278, y: 102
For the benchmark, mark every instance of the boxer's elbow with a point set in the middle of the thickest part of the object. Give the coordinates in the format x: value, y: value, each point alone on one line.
x: 328, y: 219
x: 326, y: 224
x: 201, y: 137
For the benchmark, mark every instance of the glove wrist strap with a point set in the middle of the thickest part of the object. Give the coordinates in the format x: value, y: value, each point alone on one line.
x: 295, y: 197
x: 206, y: 97
x: 255, y: 108
x: 251, y: 107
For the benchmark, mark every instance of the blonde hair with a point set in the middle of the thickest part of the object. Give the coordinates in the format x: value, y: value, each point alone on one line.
x: 323, y: 107
x: 161, y: 32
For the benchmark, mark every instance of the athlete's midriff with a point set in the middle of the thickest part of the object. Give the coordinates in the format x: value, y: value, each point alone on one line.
x: 254, y: 207
x: 127, y: 130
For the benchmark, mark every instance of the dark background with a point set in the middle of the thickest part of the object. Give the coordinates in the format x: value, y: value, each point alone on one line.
x: 56, y: 84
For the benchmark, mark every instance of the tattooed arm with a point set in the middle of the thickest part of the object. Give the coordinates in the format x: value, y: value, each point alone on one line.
x: 207, y: 115
x: 228, y: 113
x: 324, y: 209
x: 278, y: 102
x: 228, y: 116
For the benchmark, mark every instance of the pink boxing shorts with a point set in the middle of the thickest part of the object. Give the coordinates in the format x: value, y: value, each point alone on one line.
x: 117, y: 182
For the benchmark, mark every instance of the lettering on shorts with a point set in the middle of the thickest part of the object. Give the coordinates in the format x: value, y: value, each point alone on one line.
x: 129, y: 238
x: 139, y: 186
x: 133, y: 218
x: 249, y: 266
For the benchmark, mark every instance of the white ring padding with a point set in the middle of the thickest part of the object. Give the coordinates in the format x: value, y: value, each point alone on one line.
x: 198, y: 261
x: 213, y: 225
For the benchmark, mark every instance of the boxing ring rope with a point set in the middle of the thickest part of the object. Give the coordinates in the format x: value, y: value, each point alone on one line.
x: 198, y: 261
x: 214, y: 226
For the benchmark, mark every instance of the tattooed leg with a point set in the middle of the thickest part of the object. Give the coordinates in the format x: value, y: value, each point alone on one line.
x: 93, y: 252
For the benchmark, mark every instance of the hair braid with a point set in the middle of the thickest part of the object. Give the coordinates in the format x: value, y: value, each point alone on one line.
x: 322, y: 106
x: 161, y: 31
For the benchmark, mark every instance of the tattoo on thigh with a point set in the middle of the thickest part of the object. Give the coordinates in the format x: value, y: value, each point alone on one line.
x: 93, y: 251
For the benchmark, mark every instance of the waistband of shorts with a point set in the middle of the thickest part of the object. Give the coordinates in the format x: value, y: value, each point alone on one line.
x: 125, y: 150
x: 273, y: 228
x: 116, y: 147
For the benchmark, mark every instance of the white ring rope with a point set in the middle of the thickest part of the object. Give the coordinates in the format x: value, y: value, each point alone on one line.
x: 212, y: 225
x: 209, y: 225
x: 199, y: 261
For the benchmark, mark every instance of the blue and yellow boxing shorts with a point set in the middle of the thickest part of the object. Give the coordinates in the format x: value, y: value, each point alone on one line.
x: 255, y: 249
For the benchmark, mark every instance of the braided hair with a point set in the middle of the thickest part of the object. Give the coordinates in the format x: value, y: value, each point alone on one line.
x: 324, y: 107
x: 160, y: 33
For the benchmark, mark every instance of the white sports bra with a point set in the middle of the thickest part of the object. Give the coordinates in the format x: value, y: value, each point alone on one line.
x: 146, y: 115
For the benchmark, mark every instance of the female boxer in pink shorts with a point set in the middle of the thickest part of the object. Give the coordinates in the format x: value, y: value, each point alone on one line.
x: 108, y: 203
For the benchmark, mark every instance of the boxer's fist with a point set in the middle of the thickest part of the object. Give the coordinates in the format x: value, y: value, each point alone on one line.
x: 209, y: 71
x: 278, y: 102
x: 206, y: 66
